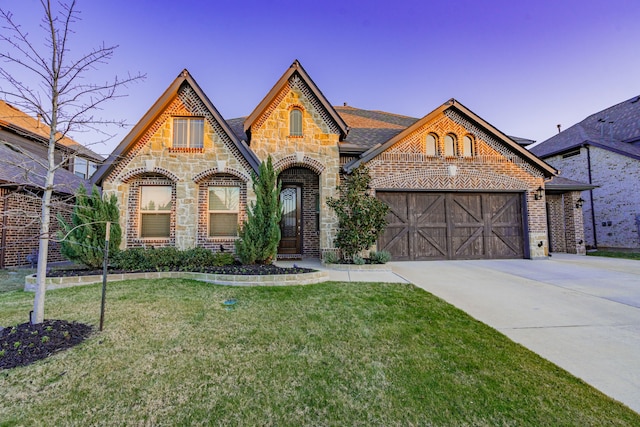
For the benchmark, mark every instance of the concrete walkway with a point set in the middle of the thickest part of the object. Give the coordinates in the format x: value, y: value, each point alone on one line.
x: 581, y: 313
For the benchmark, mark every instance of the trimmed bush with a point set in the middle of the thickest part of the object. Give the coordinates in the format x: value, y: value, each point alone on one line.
x: 170, y: 258
x: 380, y: 257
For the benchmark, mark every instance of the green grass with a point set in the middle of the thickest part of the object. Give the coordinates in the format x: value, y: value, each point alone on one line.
x: 353, y: 354
x: 13, y: 279
x: 616, y: 254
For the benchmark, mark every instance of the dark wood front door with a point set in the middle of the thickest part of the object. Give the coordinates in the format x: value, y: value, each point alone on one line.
x: 453, y: 225
x: 291, y: 222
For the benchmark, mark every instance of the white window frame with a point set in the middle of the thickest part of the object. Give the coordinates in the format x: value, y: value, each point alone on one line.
x: 190, y: 140
x: 142, y: 212
x: 212, y: 212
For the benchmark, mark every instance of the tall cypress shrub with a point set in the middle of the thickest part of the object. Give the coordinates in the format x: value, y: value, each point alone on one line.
x: 260, y: 233
x: 83, y: 239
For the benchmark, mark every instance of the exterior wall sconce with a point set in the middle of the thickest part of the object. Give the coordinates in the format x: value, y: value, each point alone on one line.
x: 539, y: 194
x: 540, y: 244
x: 579, y: 203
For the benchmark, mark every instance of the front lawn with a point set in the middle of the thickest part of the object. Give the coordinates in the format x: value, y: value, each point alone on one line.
x: 172, y: 353
x: 615, y: 254
x: 13, y: 279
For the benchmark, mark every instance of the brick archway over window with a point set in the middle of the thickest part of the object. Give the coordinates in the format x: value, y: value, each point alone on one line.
x: 295, y: 161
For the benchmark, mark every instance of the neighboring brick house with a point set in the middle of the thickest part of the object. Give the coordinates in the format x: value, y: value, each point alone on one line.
x: 23, y: 142
x: 603, y: 150
x: 458, y: 187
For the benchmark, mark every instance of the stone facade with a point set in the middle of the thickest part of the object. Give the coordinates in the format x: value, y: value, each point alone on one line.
x: 308, y: 157
x: 152, y: 160
x: 616, y: 202
x: 316, y: 150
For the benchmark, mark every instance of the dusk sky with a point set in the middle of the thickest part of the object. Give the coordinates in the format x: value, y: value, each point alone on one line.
x: 523, y: 66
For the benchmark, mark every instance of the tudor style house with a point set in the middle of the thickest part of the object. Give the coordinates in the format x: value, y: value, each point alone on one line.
x: 458, y: 188
x: 23, y: 153
x: 604, y: 151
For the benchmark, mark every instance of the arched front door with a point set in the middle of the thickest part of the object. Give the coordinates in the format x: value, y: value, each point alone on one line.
x: 291, y: 222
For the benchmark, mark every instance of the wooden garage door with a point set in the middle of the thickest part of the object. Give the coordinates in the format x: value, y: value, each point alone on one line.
x: 452, y: 225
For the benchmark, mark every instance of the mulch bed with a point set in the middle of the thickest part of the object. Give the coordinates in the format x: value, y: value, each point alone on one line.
x: 227, y: 269
x: 24, y: 344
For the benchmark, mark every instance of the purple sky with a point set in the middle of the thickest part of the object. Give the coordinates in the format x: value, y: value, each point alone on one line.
x: 524, y: 66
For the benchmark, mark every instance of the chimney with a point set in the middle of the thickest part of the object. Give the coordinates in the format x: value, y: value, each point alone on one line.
x: 559, y: 126
x: 39, y: 118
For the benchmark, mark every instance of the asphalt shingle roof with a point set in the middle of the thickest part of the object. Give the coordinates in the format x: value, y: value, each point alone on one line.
x: 616, y: 128
x: 19, y: 168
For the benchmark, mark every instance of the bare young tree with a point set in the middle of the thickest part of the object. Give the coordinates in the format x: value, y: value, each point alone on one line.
x: 64, y: 98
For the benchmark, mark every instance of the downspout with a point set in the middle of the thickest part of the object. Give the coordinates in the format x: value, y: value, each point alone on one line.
x: 593, y: 211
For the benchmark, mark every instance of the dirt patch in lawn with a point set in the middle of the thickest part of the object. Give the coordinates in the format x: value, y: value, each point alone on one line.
x: 24, y: 344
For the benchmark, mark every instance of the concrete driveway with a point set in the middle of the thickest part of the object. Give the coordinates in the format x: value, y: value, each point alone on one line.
x: 581, y: 313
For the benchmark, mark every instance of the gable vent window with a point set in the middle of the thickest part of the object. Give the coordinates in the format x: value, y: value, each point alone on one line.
x: 431, y: 145
x: 467, y: 146
x: 571, y: 154
x: 295, y: 122
x: 450, y: 146
x: 188, y: 132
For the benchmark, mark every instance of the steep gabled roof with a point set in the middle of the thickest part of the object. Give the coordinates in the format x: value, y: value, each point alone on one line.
x: 296, y: 68
x: 616, y: 129
x: 20, y: 123
x: 454, y: 105
x: 156, y: 109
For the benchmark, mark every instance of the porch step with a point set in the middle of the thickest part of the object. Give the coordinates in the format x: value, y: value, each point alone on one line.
x: 289, y: 256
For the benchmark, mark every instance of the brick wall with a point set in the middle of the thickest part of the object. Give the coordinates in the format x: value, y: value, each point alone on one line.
x: 492, y: 167
x: 20, y: 226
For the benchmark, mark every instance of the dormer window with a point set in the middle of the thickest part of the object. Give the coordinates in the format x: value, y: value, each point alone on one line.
x: 84, y: 168
x: 188, y: 132
x: 295, y: 122
x: 467, y: 146
x: 431, y: 145
x: 450, y: 148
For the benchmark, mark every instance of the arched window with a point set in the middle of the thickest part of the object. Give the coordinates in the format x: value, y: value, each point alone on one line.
x: 431, y: 145
x: 295, y: 122
x: 450, y: 149
x: 467, y: 146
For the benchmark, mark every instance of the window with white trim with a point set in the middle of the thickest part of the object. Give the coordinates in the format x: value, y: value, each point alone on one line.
x: 450, y: 146
x: 155, y: 211
x: 188, y: 132
x: 224, y: 206
x: 295, y: 122
x: 431, y: 145
x: 467, y: 146
x: 84, y: 168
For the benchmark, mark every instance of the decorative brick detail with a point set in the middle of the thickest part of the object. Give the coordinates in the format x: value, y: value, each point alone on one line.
x: 438, y: 179
x: 207, y: 173
x: 295, y: 82
x: 135, y: 173
x: 218, y: 180
x: 292, y: 161
x: 132, y: 230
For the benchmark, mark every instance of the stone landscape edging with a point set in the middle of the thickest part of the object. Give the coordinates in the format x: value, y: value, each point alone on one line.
x: 355, y: 267
x: 214, y: 278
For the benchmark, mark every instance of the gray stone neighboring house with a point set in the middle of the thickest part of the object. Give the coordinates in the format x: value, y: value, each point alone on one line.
x: 603, y: 150
x: 23, y: 151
